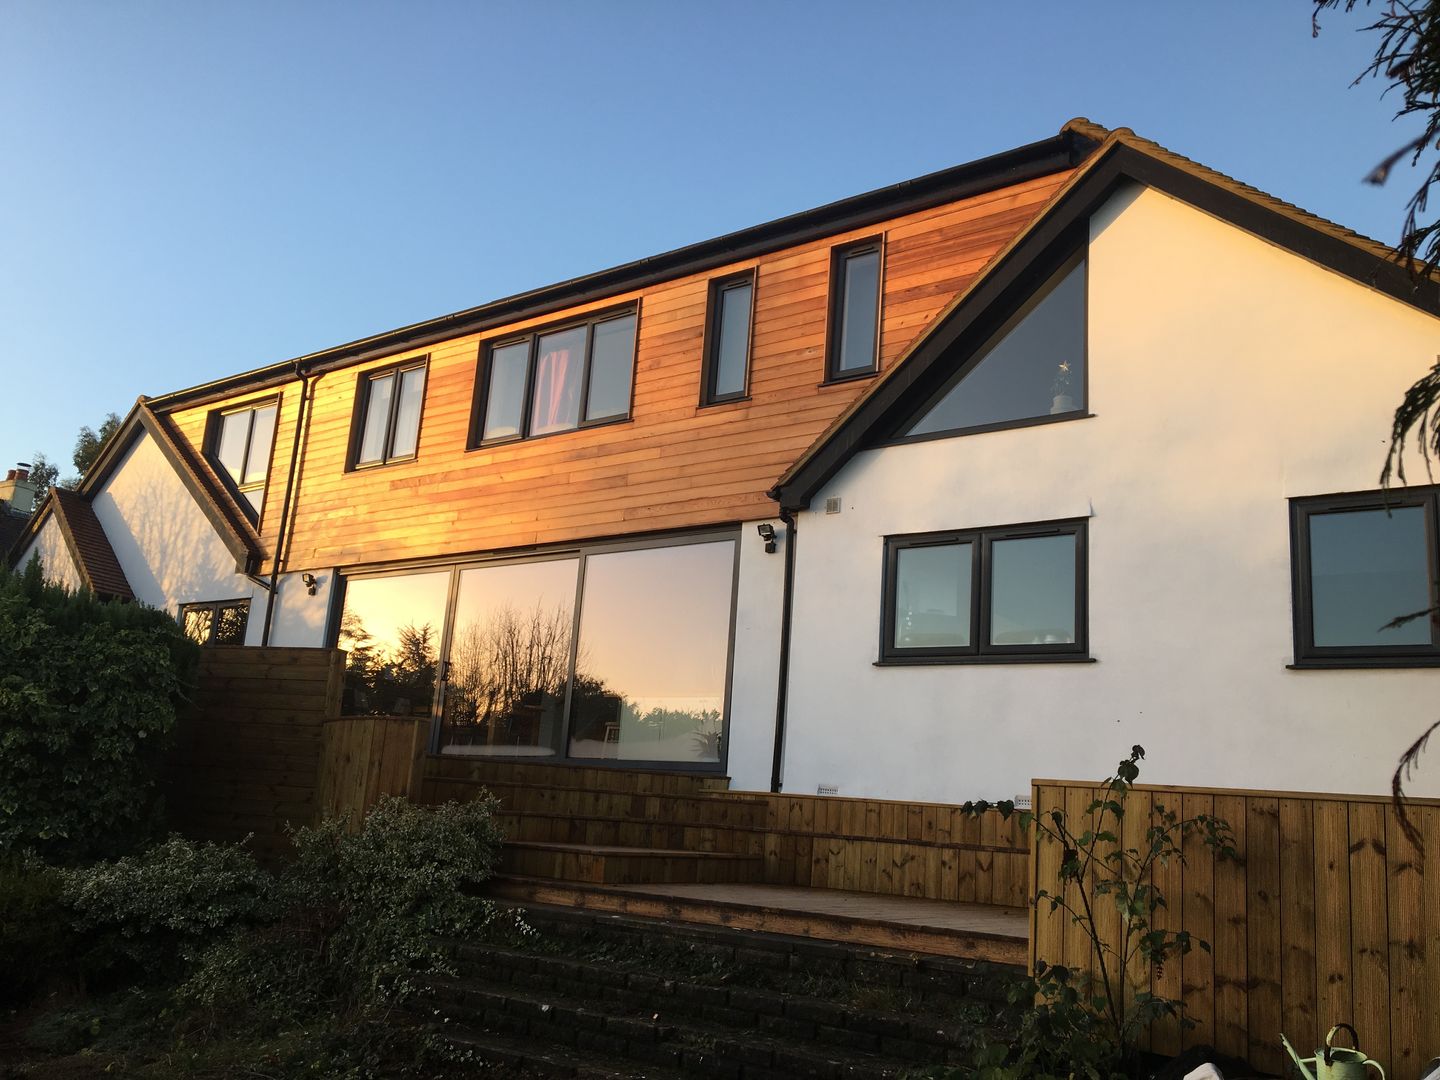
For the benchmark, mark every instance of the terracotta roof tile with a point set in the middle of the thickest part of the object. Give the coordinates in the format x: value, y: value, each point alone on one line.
x: 94, y: 556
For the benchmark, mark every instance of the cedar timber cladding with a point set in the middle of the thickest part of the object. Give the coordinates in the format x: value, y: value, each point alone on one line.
x: 675, y: 464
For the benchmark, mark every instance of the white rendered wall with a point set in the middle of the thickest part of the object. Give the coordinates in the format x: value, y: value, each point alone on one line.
x: 299, y: 618
x: 1226, y: 376
x: 755, y: 673
x: 56, y: 562
x: 166, y: 545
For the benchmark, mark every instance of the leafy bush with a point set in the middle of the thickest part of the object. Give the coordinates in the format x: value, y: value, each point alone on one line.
x: 35, y: 942
x: 166, y: 905
x: 88, y: 697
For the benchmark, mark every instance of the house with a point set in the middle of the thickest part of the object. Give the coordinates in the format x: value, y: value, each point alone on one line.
x: 920, y: 494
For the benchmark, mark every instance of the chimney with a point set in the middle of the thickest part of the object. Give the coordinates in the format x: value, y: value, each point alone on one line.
x: 18, y: 490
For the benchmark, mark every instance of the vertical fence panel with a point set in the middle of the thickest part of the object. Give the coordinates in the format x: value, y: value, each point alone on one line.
x: 1330, y: 915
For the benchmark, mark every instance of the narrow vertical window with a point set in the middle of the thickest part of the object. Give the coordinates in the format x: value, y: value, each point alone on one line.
x: 854, y: 342
x: 239, y: 445
x: 727, y: 338
x: 389, y: 416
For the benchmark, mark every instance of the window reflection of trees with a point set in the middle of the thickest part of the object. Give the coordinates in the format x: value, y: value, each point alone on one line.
x: 388, y: 678
x: 506, y: 683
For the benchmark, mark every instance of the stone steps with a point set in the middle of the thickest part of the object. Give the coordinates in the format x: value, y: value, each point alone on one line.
x: 593, y: 995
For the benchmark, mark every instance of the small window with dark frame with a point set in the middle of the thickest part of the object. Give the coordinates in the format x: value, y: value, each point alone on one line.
x: 240, y: 442
x: 1365, y: 571
x: 220, y: 622
x: 388, y: 419
x: 853, y: 342
x: 727, y: 339
x: 986, y: 594
x: 556, y: 379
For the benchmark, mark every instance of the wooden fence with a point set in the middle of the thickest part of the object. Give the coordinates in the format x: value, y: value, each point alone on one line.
x: 264, y: 749
x: 1328, y: 914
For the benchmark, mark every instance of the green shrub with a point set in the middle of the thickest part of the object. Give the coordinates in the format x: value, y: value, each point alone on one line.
x: 88, y: 698
x: 167, y: 904
x: 35, y: 940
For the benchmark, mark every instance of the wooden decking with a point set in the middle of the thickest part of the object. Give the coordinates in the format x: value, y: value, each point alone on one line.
x: 935, y: 927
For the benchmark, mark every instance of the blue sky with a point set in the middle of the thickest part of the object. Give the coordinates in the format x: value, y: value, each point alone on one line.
x: 194, y: 189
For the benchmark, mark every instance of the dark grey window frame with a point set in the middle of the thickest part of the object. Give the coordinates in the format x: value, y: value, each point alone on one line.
x: 579, y: 552
x: 714, y: 310
x: 835, y: 308
x: 1310, y: 655
x: 213, y: 427
x: 367, y: 379
x: 487, y: 351
x: 980, y: 651
x: 214, y: 607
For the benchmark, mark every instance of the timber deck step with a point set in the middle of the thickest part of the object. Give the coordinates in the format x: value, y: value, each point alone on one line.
x: 930, y: 927
x: 601, y: 864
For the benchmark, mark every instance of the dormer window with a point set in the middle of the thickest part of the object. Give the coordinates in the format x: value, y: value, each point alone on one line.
x: 388, y: 427
x: 240, y: 444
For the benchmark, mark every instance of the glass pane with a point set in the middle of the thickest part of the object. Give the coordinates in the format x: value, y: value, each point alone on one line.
x: 377, y: 419
x: 197, y: 624
x: 559, y: 368
x: 860, y: 302
x: 262, y: 437
x: 733, y: 345
x: 391, y: 629
x: 407, y: 417
x: 1032, y: 599
x: 1036, y: 369
x: 230, y: 446
x: 506, y: 404
x: 932, y: 596
x: 1366, y: 568
x: 510, y: 659
x: 253, y: 499
x: 230, y: 626
x: 612, y: 362
x: 654, y: 645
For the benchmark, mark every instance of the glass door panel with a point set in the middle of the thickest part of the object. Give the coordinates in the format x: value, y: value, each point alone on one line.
x: 509, y: 666
x: 390, y: 630
x: 650, y: 671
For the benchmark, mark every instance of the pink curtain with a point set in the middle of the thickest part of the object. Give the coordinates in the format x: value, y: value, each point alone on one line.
x: 553, y: 390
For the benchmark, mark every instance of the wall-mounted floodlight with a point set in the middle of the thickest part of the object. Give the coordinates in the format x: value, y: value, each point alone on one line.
x: 310, y: 583
x: 767, y: 533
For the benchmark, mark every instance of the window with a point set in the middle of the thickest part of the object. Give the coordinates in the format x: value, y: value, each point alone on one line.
x: 607, y: 652
x: 239, y: 445
x: 1010, y: 593
x: 727, y: 339
x: 388, y: 427
x: 853, y: 344
x: 1031, y: 370
x: 1360, y: 562
x: 221, y: 622
x: 558, y: 379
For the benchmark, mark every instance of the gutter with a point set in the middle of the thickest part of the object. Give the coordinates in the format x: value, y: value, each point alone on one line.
x: 787, y: 605
x: 302, y: 427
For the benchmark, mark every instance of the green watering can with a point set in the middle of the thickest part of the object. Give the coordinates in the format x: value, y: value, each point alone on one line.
x: 1334, y: 1062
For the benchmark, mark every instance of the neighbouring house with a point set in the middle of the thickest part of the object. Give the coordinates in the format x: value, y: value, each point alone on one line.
x: 17, y: 503
x: 983, y: 476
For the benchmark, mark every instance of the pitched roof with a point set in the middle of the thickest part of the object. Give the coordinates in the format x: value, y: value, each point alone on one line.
x: 94, y: 557
x: 202, y: 482
x: 968, y: 320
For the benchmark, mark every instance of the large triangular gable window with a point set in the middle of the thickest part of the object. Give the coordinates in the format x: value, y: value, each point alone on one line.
x: 1030, y: 371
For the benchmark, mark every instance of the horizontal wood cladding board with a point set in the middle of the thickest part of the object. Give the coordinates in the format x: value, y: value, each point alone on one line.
x: 673, y: 464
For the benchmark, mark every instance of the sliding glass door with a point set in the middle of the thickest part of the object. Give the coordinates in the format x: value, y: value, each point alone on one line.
x: 604, y: 653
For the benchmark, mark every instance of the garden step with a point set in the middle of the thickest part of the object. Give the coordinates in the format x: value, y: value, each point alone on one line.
x: 598, y: 864
x: 691, y: 1029
x: 548, y: 1059
x: 980, y: 932
x: 653, y: 990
